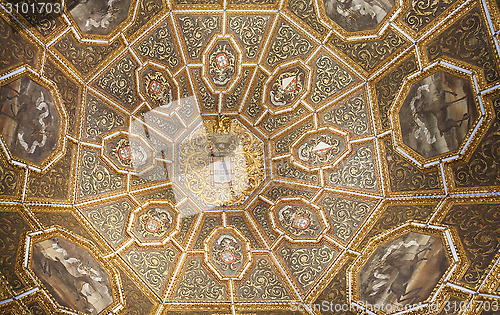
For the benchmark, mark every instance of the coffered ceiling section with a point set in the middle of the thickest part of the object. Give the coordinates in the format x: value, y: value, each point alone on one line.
x: 250, y: 157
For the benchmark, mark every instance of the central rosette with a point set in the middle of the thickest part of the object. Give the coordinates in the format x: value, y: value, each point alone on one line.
x: 221, y: 162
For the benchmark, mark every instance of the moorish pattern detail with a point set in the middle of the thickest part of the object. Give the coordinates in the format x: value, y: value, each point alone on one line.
x: 96, y: 177
x: 110, y: 220
x: 119, y: 81
x: 262, y: 284
x: 53, y: 185
x: 146, y: 10
x: 481, y: 254
x: 17, y: 50
x: 421, y: 13
x: 253, y: 106
x: 153, y: 266
x: 482, y: 169
x: 85, y: 58
x: 273, y: 123
x: 160, y: 46
x: 388, y: 87
x: 345, y: 215
x: 406, y: 177
x: 282, y: 144
x: 306, y: 11
x: 359, y: 171
x: 70, y: 94
x: 250, y: 31
x: 100, y: 119
x: 197, y: 31
x: 249, y: 156
x: 369, y: 54
x: 350, y: 114
x: 45, y: 22
x: 279, y: 191
x: 478, y: 52
x: 196, y: 284
x: 329, y: 79
x: 313, y: 262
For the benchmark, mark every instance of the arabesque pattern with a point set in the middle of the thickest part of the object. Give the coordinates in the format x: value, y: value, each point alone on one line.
x: 250, y: 157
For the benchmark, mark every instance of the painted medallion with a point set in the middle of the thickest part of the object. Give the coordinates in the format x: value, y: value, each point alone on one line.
x: 154, y: 224
x: 98, y: 17
x: 287, y: 87
x: 299, y: 221
x: 72, y: 275
x: 121, y: 152
x: 437, y: 114
x: 403, y: 271
x: 158, y: 89
x: 320, y: 149
x: 29, y: 120
x: 227, y: 254
x: 358, y: 15
x: 222, y: 63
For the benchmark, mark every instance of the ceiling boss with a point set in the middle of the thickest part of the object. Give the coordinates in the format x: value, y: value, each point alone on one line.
x: 221, y: 162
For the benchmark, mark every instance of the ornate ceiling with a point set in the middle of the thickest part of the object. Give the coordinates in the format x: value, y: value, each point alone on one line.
x: 250, y: 157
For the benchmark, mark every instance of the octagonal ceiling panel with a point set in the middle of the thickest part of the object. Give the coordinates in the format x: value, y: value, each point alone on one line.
x: 128, y: 153
x: 298, y: 220
x: 408, y: 254
x: 287, y: 86
x: 320, y: 148
x: 33, y: 121
x: 405, y: 270
x: 71, y: 273
x: 250, y: 156
x: 221, y: 64
x: 98, y: 17
x: 442, y: 113
x: 227, y: 252
x: 221, y: 162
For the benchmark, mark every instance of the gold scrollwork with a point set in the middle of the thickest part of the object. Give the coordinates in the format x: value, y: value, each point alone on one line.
x: 221, y: 177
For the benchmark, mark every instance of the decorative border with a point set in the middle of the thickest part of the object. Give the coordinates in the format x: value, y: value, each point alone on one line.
x: 421, y: 45
x: 466, y: 200
x: 74, y: 37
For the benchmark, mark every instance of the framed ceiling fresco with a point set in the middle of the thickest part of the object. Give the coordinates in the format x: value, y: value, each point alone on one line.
x: 250, y: 157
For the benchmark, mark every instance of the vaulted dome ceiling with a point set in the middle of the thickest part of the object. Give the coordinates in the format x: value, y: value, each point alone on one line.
x: 250, y: 157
